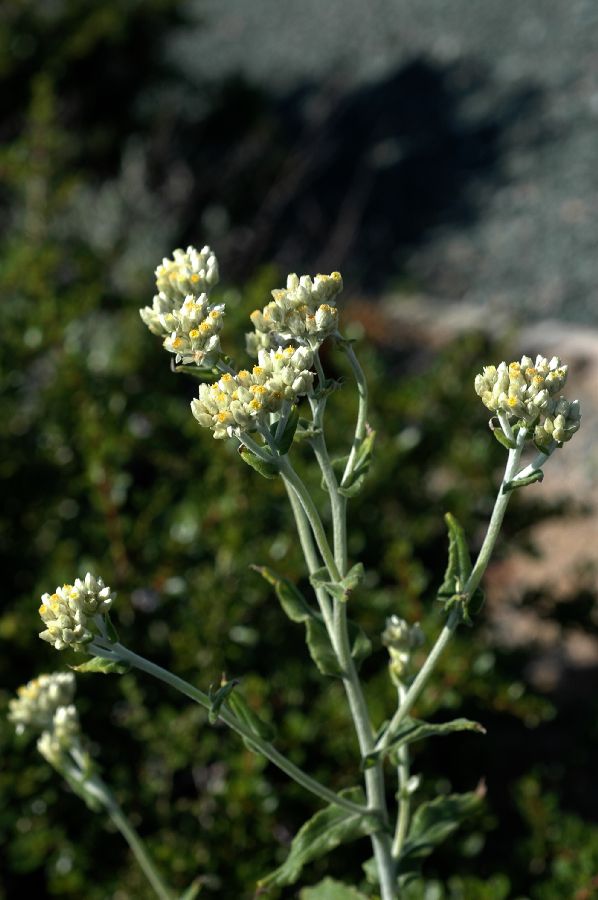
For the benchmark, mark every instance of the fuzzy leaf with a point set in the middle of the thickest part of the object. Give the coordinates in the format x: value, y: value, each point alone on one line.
x: 320, y: 648
x: 325, y: 831
x: 196, y: 372
x: 411, y: 730
x: 291, y: 599
x: 283, y: 444
x: 361, y: 464
x: 192, y: 891
x: 432, y: 824
x: 329, y: 889
x: 536, y: 475
x: 503, y: 439
x: 245, y: 713
x: 218, y: 697
x: 110, y: 629
x: 103, y: 665
x: 266, y: 469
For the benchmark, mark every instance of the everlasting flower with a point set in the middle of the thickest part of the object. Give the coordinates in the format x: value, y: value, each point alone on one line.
x: 304, y: 311
x: 39, y: 700
x: 243, y: 401
x: 401, y: 639
x: 75, y: 613
x: 181, y: 312
x: 528, y: 391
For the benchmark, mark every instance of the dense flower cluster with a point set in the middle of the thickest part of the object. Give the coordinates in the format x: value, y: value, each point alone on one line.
x: 242, y: 401
x: 528, y: 391
x: 181, y: 312
x: 401, y: 639
x: 73, y: 614
x: 37, y: 701
x: 303, y: 311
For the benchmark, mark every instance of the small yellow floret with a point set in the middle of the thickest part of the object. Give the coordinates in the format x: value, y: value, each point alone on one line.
x: 194, y: 333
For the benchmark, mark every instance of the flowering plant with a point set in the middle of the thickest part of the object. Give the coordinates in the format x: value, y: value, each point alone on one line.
x: 266, y: 410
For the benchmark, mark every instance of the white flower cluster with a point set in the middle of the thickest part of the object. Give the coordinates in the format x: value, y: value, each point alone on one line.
x: 528, y: 390
x: 242, y: 401
x: 73, y: 614
x: 304, y: 311
x: 181, y: 312
x: 45, y: 705
x: 38, y: 700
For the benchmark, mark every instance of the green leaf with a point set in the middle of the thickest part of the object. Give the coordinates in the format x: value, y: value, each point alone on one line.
x: 103, y: 665
x: 110, y: 629
x: 536, y: 475
x: 411, y: 730
x: 503, y: 439
x: 245, y: 713
x: 325, y: 831
x: 329, y: 889
x: 338, y: 590
x: 298, y: 610
x: 283, y: 444
x: 291, y: 599
x: 353, y: 483
x: 218, y: 697
x: 433, y: 823
x: 266, y: 469
x: 458, y: 570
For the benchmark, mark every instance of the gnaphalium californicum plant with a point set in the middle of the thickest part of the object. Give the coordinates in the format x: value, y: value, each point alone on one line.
x: 257, y: 407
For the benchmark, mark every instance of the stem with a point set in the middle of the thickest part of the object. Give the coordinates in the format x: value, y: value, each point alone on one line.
x: 100, y: 790
x: 362, y: 411
x: 265, y: 747
x: 310, y: 554
x: 473, y: 581
x: 290, y: 476
x: 403, y: 793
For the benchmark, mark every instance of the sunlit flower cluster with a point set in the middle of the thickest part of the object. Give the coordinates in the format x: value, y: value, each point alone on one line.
x: 74, y: 613
x: 242, y: 401
x: 304, y: 311
x: 401, y: 639
x: 529, y: 392
x: 181, y: 312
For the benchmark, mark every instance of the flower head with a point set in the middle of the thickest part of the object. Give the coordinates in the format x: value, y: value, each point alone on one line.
x: 181, y: 312
x: 74, y: 614
x: 529, y: 392
x: 303, y: 311
x: 38, y: 701
x: 243, y: 401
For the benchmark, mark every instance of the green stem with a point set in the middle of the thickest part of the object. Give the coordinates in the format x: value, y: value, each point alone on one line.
x: 498, y: 513
x: 404, y: 798
x: 265, y: 747
x: 100, y: 790
x: 310, y: 554
x: 362, y: 411
x: 291, y: 478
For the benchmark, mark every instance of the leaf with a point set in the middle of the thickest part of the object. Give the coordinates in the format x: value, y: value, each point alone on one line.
x: 218, y: 697
x: 433, y: 823
x: 196, y: 372
x: 298, y: 610
x: 338, y: 590
x: 325, y: 831
x: 458, y: 570
x: 353, y: 481
x: 411, y: 730
x: 284, y: 442
x: 329, y: 889
x: 110, y: 629
x: 266, y: 469
x: 536, y: 475
x: 291, y: 599
x: 503, y: 439
x: 245, y: 713
x: 102, y: 664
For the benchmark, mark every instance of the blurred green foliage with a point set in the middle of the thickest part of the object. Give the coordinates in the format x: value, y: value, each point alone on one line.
x: 103, y: 468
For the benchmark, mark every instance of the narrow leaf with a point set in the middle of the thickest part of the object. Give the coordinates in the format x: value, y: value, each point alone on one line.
x: 503, y: 439
x: 196, y: 372
x: 192, y: 891
x: 411, y: 730
x: 284, y: 442
x: 325, y: 831
x: 218, y: 697
x: 103, y: 665
x: 245, y: 713
x: 291, y: 599
x: 536, y: 475
x: 353, y: 577
x: 266, y: 469
x: 320, y: 648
